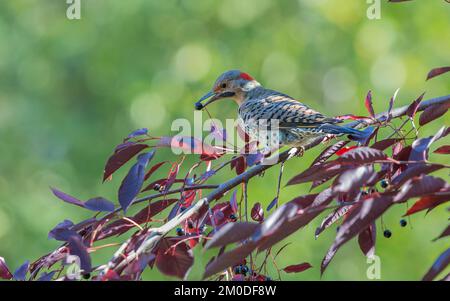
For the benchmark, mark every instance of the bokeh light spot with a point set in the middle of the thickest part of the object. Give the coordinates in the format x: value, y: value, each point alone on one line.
x: 279, y: 70
x: 339, y: 85
x: 148, y: 110
x: 192, y: 62
x: 388, y: 73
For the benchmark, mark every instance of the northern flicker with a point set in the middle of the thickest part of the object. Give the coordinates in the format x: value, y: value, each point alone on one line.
x: 297, y: 124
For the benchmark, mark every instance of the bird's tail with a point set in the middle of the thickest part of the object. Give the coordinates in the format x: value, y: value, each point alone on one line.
x: 356, y: 135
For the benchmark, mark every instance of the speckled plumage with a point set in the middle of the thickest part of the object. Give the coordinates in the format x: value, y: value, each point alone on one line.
x: 289, y: 122
x: 297, y: 123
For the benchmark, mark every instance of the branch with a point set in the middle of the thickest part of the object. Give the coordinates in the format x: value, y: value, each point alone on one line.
x: 173, y: 191
x: 155, y: 234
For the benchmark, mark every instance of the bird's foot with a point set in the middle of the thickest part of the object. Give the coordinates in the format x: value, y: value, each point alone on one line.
x: 296, y: 152
x: 266, y: 151
x: 328, y: 138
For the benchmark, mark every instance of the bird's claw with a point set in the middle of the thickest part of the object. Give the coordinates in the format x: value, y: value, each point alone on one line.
x: 296, y: 152
x: 328, y: 138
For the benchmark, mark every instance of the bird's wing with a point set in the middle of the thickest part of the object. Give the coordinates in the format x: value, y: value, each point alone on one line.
x: 290, y: 112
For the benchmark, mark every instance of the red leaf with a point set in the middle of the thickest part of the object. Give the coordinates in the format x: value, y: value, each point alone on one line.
x: 437, y: 71
x: 153, y: 169
x: 414, y: 171
x: 331, y: 218
x: 317, y: 183
x: 361, y: 155
x: 444, y: 150
x: 221, y: 212
x: 206, y: 157
x: 238, y: 163
x: 445, y: 233
x: 4, y: 271
x: 384, y: 144
x: 420, y: 186
x: 412, y: 109
x: 369, y: 105
x: 360, y: 217
x: 231, y: 233
x: 428, y: 202
x: 351, y: 181
x: 433, y: 112
x: 121, y: 157
x: 391, y: 104
x: 291, y: 224
x: 345, y: 149
x: 173, y: 260
x: 276, y: 220
x: 366, y: 240
x: 257, y: 213
x: 317, y: 172
x: 229, y: 259
x: 188, y: 197
x: 304, y: 201
x: 297, y: 268
x: 151, y: 210
x: 328, y: 152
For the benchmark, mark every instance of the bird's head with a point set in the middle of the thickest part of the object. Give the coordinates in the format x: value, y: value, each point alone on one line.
x: 231, y: 84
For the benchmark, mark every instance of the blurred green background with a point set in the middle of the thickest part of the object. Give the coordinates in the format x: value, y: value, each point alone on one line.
x: 70, y: 90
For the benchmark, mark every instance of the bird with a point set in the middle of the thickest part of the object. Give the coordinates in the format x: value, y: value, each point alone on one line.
x: 273, y: 118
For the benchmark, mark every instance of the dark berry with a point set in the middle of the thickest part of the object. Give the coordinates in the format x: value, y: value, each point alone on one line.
x: 403, y: 223
x: 190, y: 225
x: 180, y: 232
x: 157, y: 187
x: 384, y: 183
x: 337, y: 228
x: 238, y: 269
x: 198, y: 106
x: 244, y: 269
x: 86, y: 276
x: 233, y: 217
x: 387, y: 233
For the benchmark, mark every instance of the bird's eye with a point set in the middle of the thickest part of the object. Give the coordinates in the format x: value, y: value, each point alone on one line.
x: 223, y: 86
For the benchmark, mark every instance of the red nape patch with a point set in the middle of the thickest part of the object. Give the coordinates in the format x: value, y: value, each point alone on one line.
x: 246, y: 76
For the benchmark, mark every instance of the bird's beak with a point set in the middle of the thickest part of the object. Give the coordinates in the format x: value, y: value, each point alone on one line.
x: 211, y: 96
